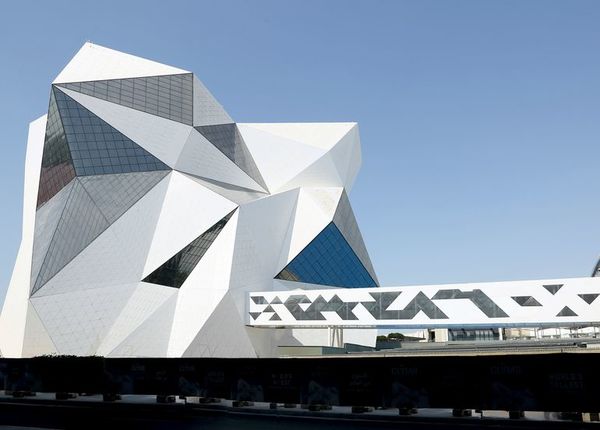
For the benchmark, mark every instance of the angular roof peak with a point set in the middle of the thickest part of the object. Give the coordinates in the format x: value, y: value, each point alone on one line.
x: 94, y: 62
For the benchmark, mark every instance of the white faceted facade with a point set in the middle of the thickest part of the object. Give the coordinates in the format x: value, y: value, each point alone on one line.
x: 150, y: 215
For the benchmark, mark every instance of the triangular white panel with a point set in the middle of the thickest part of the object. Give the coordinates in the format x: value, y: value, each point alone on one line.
x: 118, y: 255
x: 278, y: 159
x: 326, y: 199
x: 346, y: 222
x: 78, y: 321
x: 321, y: 173
x: 260, y: 240
x: 353, y: 168
x: 207, y: 110
x: 94, y: 62
x: 46, y: 220
x: 203, y: 289
x: 323, y: 135
x: 145, y: 300
x: 37, y: 342
x: 161, y: 137
x: 346, y: 157
x: 201, y: 158
x: 14, y: 310
x: 188, y: 210
x: 315, y: 209
x: 150, y: 339
x: 224, y: 324
x: 232, y: 193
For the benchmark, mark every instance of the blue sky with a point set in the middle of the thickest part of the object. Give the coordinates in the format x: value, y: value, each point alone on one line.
x: 479, y: 120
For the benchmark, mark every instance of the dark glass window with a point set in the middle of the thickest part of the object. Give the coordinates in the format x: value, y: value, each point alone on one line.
x: 96, y: 147
x: 328, y: 260
x: 474, y: 335
x: 57, y: 167
x: 168, y: 96
x: 176, y: 270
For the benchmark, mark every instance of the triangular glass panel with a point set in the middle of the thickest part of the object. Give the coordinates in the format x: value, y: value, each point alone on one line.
x: 115, y: 194
x: 328, y: 260
x: 259, y: 300
x: 268, y: 309
x: 169, y: 96
x: 255, y: 315
x: 275, y: 317
x: 227, y: 139
x: 566, y: 312
x: 47, y: 218
x: 596, y: 272
x: 553, y: 289
x: 80, y: 223
x: 57, y: 166
x: 96, y: 147
x: 276, y: 301
x: 176, y: 270
x: 526, y: 301
x: 589, y: 298
x: 207, y: 110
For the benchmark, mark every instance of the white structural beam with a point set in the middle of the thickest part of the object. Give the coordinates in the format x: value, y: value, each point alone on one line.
x: 14, y: 311
x: 553, y: 302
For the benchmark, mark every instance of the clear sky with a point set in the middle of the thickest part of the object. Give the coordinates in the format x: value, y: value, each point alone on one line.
x: 479, y: 120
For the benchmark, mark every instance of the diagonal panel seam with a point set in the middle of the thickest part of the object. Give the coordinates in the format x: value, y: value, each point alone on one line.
x: 92, y: 241
x: 31, y: 287
x: 43, y: 325
x: 70, y: 86
x: 164, y: 172
x: 140, y: 147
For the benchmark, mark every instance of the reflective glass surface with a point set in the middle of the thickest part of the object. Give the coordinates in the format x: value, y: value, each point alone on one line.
x: 176, y: 270
x: 474, y: 334
x: 566, y: 312
x: 114, y: 194
x: 97, y: 148
x: 328, y: 260
x: 80, y: 223
x: 57, y: 166
x: 227, y: 139
x: 589, y: 298
x: 169, y: 96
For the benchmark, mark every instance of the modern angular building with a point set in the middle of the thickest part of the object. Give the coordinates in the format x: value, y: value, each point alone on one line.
x: 150, y: 214
x: 155, y: 225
